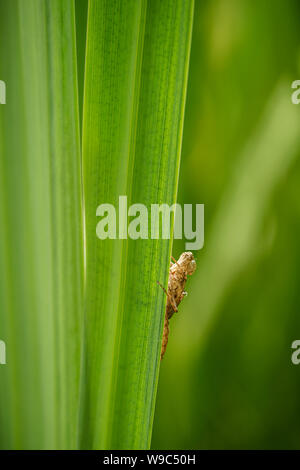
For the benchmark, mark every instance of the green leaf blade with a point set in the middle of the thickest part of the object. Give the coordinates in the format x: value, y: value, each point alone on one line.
x: 42, y: 276
x: 133, y: 119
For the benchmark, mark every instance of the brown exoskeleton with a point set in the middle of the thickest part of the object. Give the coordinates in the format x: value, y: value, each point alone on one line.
x: 179, y: 270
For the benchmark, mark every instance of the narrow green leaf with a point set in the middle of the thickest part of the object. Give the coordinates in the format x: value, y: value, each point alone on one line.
x: 81, y: 7
x: 40, y: 218
x: 135, y: 85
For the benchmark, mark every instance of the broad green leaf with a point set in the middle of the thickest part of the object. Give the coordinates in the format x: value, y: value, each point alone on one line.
x: 135, y: 84
x: 41, y: 269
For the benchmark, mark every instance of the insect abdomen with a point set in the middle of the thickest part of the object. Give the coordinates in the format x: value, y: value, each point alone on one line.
x: 165, y: 337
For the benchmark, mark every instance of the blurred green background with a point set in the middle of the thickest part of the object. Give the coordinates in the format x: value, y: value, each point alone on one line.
x: 227, y: 380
